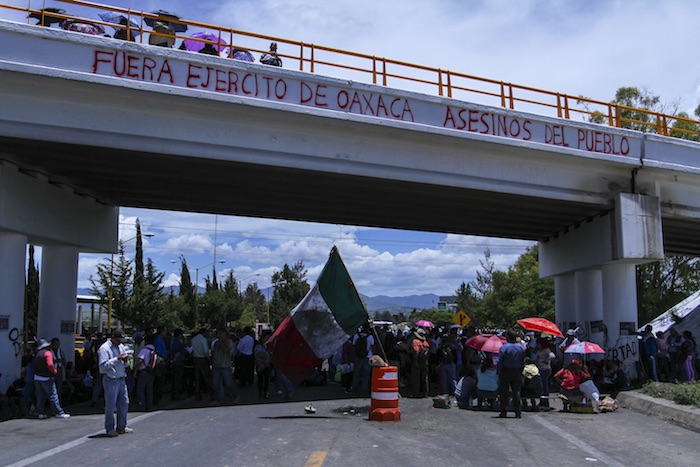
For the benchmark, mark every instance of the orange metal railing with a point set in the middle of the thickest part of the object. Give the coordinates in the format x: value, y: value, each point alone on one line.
x: 328, y: 61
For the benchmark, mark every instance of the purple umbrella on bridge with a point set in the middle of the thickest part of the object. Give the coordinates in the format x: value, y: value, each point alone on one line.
x: 199, y: 39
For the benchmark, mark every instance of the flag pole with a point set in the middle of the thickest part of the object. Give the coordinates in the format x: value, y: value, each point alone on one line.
x: 376, y: 339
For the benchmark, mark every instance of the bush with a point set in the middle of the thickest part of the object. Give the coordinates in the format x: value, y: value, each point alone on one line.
x: 687, y: 394
x: 684, y: 394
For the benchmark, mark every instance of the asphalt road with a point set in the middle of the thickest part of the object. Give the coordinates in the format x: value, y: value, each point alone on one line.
x: 279, y: 433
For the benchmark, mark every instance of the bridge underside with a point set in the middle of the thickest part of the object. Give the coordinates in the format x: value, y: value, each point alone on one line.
x: 157, y: 181
x: 201, y: 185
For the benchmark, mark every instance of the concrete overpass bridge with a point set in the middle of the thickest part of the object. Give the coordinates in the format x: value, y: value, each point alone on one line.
x: 89, y: 124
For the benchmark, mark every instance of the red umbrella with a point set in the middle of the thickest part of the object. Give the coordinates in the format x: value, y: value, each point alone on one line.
x: 585, y: 348
x: 540, y: 325
x: 486, y: 342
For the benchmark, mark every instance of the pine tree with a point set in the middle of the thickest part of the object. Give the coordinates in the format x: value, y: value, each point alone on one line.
x: 32, y: 295
x: 190, y: 318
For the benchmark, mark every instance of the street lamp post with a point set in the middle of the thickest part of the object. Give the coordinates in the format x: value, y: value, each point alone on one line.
x: 111, y: 281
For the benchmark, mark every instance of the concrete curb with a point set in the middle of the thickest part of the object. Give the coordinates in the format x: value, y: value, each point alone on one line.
x: 687, y: 416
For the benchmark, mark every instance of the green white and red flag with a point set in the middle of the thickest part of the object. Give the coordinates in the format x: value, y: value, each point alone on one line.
x: 325, y: 318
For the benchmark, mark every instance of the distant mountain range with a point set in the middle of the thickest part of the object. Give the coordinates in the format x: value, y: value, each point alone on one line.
x: 374, y: 304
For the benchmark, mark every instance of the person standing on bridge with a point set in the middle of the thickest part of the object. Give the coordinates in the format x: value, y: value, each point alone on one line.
x: 163, y: 35
x: 113, y: 358
x: 271, y: 58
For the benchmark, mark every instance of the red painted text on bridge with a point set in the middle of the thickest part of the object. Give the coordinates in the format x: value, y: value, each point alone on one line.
x: 258, y: 82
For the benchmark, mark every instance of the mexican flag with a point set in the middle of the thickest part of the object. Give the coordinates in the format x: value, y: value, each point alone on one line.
x: 325, y: 318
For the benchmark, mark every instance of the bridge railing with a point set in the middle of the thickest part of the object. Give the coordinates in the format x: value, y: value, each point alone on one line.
x: 329, y: 61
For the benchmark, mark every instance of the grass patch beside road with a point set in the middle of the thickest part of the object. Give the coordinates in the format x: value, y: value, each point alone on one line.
x: 685, y: 394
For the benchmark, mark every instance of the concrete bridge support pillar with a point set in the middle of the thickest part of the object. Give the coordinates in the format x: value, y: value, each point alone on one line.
x: 40, y: 212
x: 565, y: 300
x: 589, y: 304
x: 601, y: 255
x: 13, y: 251
x: 57, y: 301
x: 620, y: 312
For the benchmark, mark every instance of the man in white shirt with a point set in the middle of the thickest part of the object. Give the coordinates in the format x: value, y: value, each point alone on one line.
x: 245, y: 355
x: 112, y: 358
x: 202, y: 360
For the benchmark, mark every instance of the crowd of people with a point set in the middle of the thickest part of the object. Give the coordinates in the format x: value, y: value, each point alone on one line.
x: 669, y: 358
x: 122, y: 372
x: 431, y: 361
x: 434, y: 361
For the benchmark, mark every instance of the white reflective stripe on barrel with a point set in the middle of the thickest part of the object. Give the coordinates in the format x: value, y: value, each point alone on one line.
x: 385, y: 396
x: 394, y: 375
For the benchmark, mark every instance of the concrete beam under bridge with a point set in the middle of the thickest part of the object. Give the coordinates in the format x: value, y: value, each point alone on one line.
x: 51, y: 214
x: 630, y: 233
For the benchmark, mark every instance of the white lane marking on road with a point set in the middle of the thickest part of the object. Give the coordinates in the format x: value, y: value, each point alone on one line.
x: 72, y: 444
x: 574, y: 440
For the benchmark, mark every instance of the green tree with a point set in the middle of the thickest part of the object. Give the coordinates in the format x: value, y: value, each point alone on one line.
x: 211, y: 304
x: 466, y: 299
x: 290, y: 287
x: 113, y: 283
x: 633, y: 101
x: 524, y: 293
x: 188, y: 313
x: 500, y: 298
x: 31, y: 296
x: 662, y: 284
x: 253, y: 297
x: 234, y: 303
x: 175, y: 308
x: 138, y: 257
x: 146, y: 304
x: 247, y: 318
x: 686, y: 129
x: 485, y: 290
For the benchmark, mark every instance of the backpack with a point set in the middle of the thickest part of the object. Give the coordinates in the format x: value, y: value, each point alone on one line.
x: 446, y: 354
x: 361, y: 346
x: 156, y: 364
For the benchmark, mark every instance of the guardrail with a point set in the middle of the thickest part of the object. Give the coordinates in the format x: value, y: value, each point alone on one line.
x: 384, y: 71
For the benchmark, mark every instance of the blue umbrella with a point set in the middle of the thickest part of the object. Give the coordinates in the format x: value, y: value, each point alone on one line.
x: 166, y: 16
x: 118, y: 18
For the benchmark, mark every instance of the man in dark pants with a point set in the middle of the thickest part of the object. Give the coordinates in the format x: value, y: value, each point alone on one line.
x: 177, y: 357
x: 511, y: 361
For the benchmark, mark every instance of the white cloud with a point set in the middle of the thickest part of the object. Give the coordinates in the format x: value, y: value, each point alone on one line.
x: 189, y: 243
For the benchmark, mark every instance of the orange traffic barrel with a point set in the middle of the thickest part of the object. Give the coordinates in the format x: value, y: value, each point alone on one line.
x: 385, y: 395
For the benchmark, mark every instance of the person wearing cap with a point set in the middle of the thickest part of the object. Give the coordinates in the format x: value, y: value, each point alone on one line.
x: 44, y: 381
x: 112, y: 358
x: 569, y: 340
x: 420, y: 350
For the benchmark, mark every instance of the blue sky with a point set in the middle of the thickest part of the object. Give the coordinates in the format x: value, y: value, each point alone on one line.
x: 587, y: 48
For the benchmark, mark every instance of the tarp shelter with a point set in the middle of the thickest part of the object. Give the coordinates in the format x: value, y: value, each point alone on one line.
x: 683, y: 316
